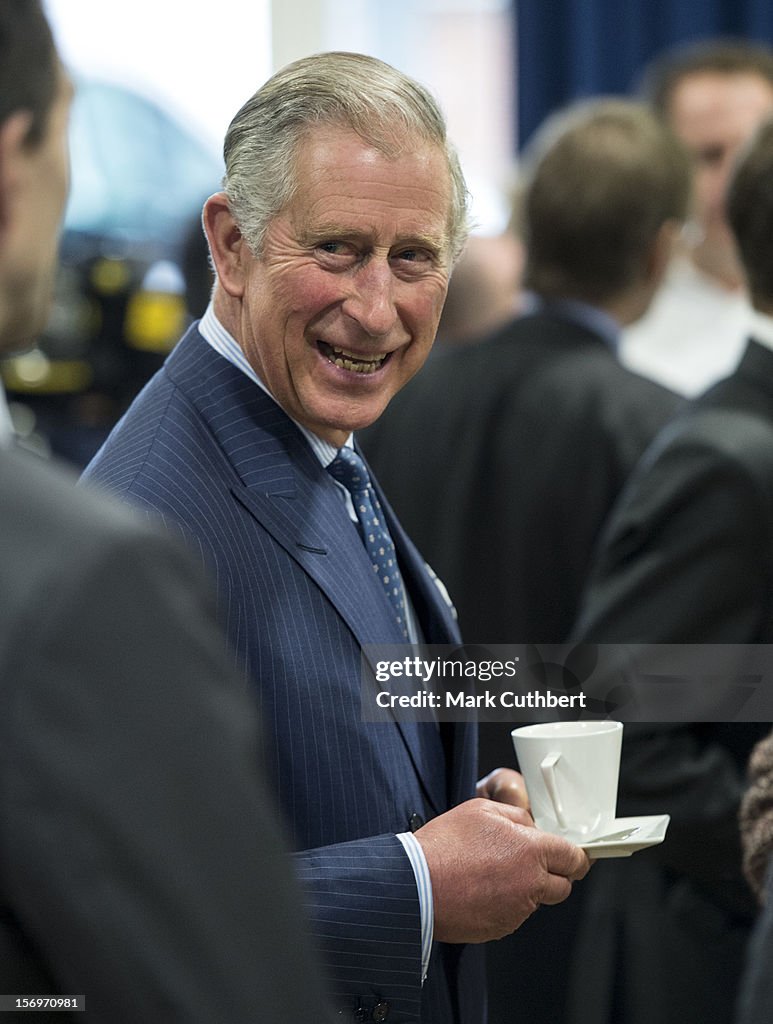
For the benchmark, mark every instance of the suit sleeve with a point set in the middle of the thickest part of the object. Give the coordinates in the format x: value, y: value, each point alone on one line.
x: 362, y: 899
x: 138, y: 844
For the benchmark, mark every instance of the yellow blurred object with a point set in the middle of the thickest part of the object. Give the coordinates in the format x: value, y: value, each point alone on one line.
x: 34, y: 372
x: 110, y: 276
x: 154, y: 321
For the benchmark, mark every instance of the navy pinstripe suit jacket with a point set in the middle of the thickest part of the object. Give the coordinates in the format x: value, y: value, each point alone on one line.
x: 213, y: 455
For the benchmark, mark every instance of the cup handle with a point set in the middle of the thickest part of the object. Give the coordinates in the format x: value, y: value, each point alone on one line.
x: 548, y: 769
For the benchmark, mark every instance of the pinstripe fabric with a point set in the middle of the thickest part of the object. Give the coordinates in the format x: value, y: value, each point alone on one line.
x: 213, y: 455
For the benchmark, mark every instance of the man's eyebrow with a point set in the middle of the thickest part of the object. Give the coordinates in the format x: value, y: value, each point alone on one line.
x: 420, y: 239
x: 426, y: 241
x: 313, y: 232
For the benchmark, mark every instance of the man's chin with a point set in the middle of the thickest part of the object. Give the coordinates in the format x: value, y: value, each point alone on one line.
x: 340, y: 423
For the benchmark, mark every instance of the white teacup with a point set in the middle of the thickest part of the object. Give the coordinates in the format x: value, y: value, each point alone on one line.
x: 571, y: 771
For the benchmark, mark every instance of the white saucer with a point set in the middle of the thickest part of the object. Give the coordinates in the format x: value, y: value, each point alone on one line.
x: 650, y: 830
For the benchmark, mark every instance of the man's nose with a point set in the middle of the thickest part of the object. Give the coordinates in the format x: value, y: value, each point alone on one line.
x: 371, y: 301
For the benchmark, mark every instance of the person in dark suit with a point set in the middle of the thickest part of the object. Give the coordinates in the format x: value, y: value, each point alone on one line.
x: 342, y: 212
x: 686, y: 558
x: 528, y: 437
x: 143, y: 867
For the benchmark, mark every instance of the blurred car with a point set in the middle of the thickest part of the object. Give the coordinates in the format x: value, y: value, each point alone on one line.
x: 139, y: 178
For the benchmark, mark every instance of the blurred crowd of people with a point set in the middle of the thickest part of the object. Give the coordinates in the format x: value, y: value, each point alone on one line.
x: 566, y: 492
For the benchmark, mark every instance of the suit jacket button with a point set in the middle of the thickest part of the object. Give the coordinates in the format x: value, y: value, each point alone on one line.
x: 381, y: 1011
x: 414, y: 824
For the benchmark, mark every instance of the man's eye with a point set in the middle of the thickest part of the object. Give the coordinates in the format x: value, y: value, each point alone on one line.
x: 336, y: 248
x: 414, y: 255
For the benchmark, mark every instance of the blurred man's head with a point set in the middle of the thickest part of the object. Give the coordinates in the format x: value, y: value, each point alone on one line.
x: 35, y: 96
x: 714, y: 95
x: 484, y: 290
x: 750, y: 214
x: 605, y: 191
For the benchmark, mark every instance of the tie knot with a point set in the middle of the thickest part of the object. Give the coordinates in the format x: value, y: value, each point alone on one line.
x: 349, y: 469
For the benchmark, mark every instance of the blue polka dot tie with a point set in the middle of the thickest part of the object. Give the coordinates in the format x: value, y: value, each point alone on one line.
x: 349, y: 469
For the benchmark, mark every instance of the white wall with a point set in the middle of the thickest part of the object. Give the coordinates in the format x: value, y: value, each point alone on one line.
x: 199, y: 60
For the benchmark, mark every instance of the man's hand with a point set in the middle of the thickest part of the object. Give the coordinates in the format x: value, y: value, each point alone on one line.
x: 491, y: 869
x: 506, y: 786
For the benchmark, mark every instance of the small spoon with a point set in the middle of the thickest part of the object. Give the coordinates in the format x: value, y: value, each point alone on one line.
x: 625, y: 833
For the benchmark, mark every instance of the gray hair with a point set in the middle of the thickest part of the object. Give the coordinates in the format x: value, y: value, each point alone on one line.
x: 383, y: 106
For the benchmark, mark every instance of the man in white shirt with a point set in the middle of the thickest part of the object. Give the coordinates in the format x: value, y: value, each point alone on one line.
x: 714, y: 96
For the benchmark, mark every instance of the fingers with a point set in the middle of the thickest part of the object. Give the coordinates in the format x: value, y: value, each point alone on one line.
x: 506, y: 786
x: 491, y: 868
x: 565, y: 859
x: 569, y: 865
x: 557, y: 889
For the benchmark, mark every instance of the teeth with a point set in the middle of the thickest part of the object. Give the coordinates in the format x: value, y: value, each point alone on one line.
x: 378, y: 357
x: 347, y: 364
x: 349, y: 361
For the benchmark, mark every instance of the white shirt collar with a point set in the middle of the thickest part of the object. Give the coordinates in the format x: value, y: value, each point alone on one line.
x: 224, y: 343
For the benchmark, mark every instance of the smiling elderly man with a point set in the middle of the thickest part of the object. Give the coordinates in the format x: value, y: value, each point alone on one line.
x: 342, y: 212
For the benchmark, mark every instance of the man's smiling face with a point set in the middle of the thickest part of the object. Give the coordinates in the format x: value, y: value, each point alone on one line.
x: 341, y: 307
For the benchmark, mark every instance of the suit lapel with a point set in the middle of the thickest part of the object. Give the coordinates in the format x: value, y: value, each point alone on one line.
x: 314, y: 529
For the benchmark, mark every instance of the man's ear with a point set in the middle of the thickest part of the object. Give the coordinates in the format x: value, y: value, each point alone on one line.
x: 227, y: 246
x: 13, y: 135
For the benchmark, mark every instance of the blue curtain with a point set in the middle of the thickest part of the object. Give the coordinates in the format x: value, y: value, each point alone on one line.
x: 568, y: 49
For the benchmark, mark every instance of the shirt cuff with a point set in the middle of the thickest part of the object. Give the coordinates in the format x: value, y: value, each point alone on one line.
x: 424, y: 887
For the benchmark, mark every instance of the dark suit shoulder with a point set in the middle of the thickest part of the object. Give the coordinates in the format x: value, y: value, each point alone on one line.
x: 732, y: 420
x: 534, y: 354
x: 692, y: 532
x: 43, y: 510
x: 54, y: 533
x: 537, y: 373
